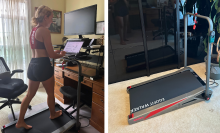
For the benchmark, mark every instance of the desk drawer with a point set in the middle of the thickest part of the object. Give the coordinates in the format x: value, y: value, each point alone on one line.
x: 97, y: 114
x: 58, y: 79
x: 87, y: 82
x: 75, y: 77
x: 98, y: 89
x: 96, y: 126
x: 58, y: 72
x: 98, y: 99
x: 57, y: 89
x: 71, y: 76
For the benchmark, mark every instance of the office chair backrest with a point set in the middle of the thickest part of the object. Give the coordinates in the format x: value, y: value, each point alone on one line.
x: 3, y: 66
x: 5, y: 74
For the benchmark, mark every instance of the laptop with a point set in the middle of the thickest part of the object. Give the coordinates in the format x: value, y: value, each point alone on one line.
x: 73, y: 47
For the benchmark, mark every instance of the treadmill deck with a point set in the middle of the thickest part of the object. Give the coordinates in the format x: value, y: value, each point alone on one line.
x: 41, y: 122
x: 161, y: 90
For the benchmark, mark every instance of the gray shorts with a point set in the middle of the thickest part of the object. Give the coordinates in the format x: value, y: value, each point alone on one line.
x: 40, y: 69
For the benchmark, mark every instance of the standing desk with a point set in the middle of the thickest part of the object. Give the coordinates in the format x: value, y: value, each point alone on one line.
x: 69, y: 77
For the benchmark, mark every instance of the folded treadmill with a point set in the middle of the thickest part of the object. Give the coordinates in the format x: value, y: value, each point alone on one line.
x: 173, y: 91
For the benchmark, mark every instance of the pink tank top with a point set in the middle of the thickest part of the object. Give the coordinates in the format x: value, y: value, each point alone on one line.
x: 35, y: 44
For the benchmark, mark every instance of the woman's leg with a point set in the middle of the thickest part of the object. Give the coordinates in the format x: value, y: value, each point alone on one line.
x: 49, y: 87
x: 125, y: 27
x: 120, y: 26
x: 32, y: 89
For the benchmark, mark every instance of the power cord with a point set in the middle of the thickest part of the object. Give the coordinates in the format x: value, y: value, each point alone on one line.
x: 86, y: 118
x: 212, y: 81
x: 82, y: 117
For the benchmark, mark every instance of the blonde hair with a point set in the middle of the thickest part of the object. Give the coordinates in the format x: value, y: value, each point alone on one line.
x: 40, y: 13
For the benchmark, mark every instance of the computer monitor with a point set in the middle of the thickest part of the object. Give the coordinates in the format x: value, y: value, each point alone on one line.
x: 100, y: 28
x: 80, y: 22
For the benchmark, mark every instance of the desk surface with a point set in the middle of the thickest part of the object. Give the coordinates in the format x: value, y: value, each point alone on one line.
x: 69, y: 78
x: 200, y: 117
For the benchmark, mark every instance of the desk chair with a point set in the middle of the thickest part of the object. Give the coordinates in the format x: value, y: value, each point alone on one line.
x: 10, y: 88
x: 72, y: 93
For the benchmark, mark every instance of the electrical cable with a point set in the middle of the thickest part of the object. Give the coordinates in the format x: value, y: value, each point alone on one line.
x: 212, y: 82
x: 87, y: 119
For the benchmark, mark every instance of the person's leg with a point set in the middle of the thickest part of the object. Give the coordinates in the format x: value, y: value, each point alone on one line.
x: 49, y: 87
x: 32, y: 89
x: 125, y: 20
x: 129, y: 26
x: 120, y: 28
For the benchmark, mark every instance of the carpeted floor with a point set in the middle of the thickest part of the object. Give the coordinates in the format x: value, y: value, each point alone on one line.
x: 39, y: 102
x: 40, y: 97
x: 202, y: 117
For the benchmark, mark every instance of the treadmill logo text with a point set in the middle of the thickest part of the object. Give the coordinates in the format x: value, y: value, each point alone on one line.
x: 147, y: 105
x: 157, y: 101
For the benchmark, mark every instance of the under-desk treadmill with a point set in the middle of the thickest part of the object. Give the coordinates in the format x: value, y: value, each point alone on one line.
x: 172, y: 91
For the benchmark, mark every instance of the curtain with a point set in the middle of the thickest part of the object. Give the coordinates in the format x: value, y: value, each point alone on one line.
x: 15, y: 16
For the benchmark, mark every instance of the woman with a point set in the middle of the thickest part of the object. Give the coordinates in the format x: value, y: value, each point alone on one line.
x: 40, y: 69
x: 121, y: 13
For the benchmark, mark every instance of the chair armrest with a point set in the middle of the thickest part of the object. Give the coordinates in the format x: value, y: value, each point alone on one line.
x: 5, y: 77
x: 16, y: 71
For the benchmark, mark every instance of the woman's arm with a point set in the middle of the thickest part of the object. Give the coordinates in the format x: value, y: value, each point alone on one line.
x: 57, y: 51
x: 48, y: 45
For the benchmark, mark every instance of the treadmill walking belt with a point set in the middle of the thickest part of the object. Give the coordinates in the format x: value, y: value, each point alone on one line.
x: 41, y: 123
x: 163, y: 89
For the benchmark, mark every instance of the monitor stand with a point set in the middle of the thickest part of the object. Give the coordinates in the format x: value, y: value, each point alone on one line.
x: 80, y: 37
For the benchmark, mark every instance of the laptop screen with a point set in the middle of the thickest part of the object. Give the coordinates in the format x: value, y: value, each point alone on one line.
x: 73, y: 46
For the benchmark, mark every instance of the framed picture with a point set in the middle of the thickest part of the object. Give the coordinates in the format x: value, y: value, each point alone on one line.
x: 55, y: 27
